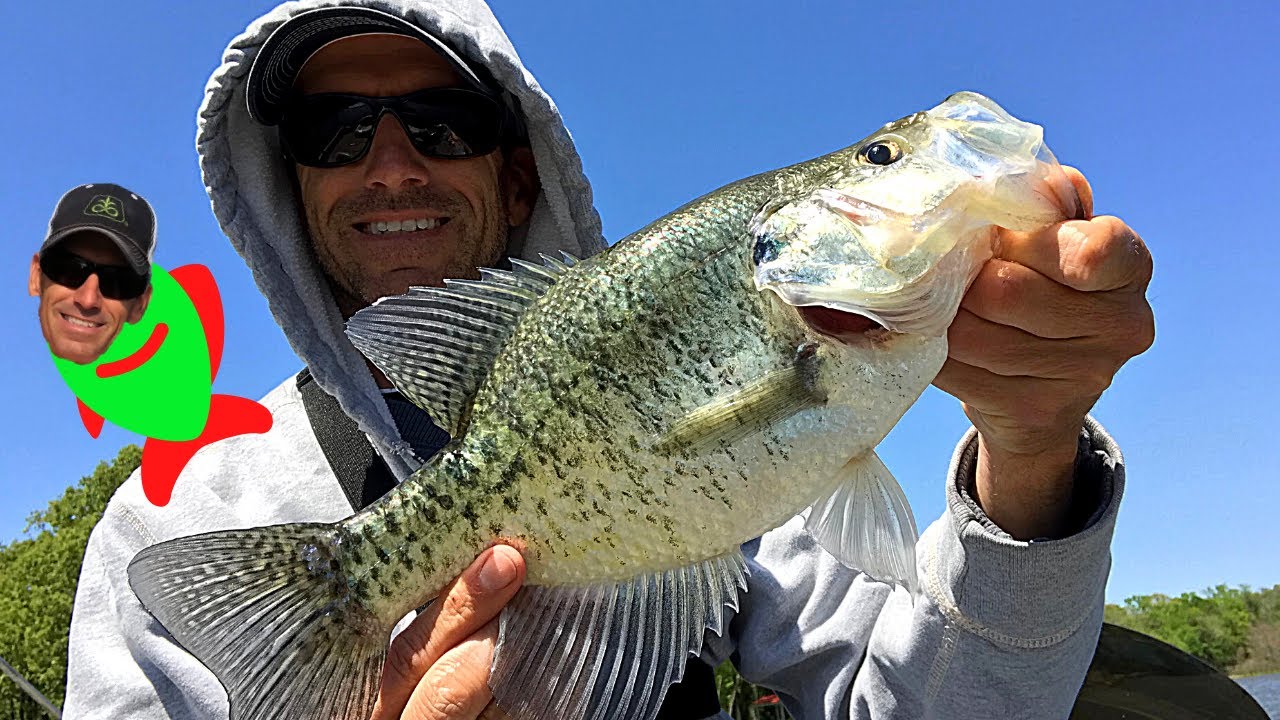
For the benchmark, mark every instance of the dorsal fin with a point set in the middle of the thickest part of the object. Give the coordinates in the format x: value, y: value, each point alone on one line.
x: 436, y: 345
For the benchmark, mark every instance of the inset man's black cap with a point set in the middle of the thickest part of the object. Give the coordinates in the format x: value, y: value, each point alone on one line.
x: 122, y: 216
x: 293, y: 43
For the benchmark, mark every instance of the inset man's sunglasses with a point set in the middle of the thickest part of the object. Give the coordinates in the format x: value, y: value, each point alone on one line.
x: 71, y: 270
x: 332, y: 129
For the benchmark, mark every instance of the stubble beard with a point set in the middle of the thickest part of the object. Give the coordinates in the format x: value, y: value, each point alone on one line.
x: 355, y: 287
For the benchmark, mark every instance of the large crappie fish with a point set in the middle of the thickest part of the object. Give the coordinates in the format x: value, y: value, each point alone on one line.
x: 628, y: 421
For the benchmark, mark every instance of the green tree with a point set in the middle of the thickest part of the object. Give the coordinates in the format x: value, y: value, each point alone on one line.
x: 38, y: 577
x: 1216, y: 626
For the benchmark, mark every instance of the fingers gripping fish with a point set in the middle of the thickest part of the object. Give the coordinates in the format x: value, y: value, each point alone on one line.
x: 629, y: 421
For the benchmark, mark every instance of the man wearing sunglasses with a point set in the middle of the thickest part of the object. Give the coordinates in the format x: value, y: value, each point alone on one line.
x: 93, y: 271
x: 352, y: 152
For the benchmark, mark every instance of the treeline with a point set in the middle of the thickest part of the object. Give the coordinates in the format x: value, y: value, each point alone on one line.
x: 1236, y: 630
x: 38, y: 578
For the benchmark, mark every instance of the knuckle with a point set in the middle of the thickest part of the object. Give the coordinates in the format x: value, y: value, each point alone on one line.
x: 404, y: 663
x: 1143, y: 333
x: 1136, y: 330
x: 1112, y: 253
x: 1004, y: 287
x: 450, y: 700
x: 460, y: 605
x: 1097, y: 381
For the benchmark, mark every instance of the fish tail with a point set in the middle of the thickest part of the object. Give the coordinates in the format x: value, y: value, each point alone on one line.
x: 163, y: 460
x: 270, y: 612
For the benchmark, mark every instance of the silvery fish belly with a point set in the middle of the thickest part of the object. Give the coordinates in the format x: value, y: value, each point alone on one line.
x: 628, y: 421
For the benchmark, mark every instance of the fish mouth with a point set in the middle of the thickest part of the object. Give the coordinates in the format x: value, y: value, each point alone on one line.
x: 845, y: 327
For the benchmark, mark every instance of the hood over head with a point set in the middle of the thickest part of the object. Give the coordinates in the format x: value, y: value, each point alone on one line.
x: 251, y: 190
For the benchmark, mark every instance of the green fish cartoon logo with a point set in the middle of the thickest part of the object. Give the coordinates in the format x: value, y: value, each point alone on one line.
x: 156, y: 379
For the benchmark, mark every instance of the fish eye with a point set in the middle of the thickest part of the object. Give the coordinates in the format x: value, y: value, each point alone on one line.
x: 881, y: 152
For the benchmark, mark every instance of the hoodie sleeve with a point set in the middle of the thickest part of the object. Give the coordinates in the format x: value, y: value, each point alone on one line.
x: 1002, y: 628
x: 120, y: 661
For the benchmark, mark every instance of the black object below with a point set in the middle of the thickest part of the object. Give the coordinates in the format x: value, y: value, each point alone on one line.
x: 1137, y: 677
x: 365, y: 477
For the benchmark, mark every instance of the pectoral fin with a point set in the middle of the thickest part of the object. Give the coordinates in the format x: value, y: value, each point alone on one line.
x: 867, y: 524
x: 92, y: 420
x: 767, y: 400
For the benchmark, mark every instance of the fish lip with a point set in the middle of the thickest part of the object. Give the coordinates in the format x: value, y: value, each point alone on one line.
x: 843, y: 326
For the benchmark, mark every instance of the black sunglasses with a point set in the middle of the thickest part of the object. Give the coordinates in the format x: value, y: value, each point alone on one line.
x: 71, y: 270
x: 333, y: 129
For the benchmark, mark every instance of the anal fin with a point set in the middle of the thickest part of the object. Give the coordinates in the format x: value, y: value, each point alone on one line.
x: 867, y: 524
x: 609, y: 651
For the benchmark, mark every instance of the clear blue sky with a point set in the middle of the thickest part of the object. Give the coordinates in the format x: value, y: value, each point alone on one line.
x: 1170, y: 110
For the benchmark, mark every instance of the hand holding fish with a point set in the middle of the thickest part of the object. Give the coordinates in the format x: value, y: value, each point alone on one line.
x: 438, y: 667
x: 1040, y: 334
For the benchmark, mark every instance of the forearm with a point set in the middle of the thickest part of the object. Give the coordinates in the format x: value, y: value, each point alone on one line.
x: 1027, y: 495
x: 1006, y: 628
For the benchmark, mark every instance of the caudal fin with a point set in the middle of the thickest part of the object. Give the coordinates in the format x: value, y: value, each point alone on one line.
x: 269, y: 612
x: 163, y: 460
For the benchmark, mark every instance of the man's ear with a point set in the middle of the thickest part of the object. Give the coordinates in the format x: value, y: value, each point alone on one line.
x: 33, y: 284
x: 520, y: 183
x: 140, y: 306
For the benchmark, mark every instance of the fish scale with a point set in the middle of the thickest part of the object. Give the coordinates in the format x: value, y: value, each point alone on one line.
x: 628, y: 421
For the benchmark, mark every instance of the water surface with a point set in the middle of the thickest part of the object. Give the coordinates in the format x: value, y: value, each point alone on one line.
x: 1266, y: 690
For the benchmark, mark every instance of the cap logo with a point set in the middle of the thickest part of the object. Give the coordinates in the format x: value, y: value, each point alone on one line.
x: 105, y: 206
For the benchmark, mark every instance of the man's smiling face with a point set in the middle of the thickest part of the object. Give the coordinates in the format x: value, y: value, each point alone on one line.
x: 80, y: 323
x: 396, y: 218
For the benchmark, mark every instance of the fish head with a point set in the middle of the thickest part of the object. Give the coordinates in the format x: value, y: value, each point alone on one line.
x: 155, y: 378
x: 888, y: 233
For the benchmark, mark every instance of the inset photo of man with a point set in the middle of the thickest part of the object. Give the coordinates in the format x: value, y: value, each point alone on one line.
x: 93, y: 271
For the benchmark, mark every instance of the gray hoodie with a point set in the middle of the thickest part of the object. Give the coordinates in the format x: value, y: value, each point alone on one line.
x: 1003, y: 628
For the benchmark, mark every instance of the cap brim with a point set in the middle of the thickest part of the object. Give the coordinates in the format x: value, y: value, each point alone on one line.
x: 136, y: 258
x: 293, y: 43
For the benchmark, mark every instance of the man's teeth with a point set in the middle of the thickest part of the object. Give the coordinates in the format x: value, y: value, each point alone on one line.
x: 81, y: 323
x: 378, y: 228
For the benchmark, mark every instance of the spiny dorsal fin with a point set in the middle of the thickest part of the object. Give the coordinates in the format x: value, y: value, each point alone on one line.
x: 436, y: 345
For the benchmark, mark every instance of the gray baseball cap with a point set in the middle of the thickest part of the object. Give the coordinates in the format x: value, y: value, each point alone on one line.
x: 121, y: 215
x: 293, y: 43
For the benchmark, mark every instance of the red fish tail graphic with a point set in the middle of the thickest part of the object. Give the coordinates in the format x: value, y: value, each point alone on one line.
x: 163, y: 460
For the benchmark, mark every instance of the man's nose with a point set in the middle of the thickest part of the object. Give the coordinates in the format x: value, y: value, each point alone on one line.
x: 392, y: 161
x: 89, y: 295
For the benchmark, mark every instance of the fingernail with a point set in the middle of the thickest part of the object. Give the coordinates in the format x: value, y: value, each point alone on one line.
x: 498, y: 571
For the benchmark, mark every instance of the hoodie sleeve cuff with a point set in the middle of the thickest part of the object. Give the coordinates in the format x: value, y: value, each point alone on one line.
x: 1036, y: 592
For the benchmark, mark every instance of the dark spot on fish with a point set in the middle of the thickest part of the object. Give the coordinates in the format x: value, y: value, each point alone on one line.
x: 766, y: 249
x: 445, y: 502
